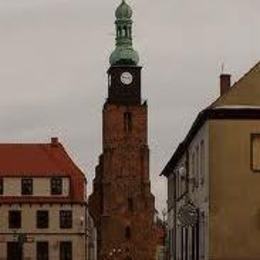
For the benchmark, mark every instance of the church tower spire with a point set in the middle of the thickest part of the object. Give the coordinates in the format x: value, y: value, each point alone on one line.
x: 124, y: 54
x: 124, y: 74
x: 122, y: 203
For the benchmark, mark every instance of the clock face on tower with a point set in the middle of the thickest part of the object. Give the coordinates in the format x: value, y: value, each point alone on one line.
x: 124, y: 84
x: 126, y: 78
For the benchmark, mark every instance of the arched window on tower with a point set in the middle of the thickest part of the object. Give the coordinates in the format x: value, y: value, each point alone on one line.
x: 119, y: 31
x: 128, y: 122
x: 125, y: 31
x: 109, y: 80
x: 130, y: 205
x: 128, y: 232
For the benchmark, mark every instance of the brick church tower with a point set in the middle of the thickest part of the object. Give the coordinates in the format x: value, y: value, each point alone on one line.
x: 121, y: 203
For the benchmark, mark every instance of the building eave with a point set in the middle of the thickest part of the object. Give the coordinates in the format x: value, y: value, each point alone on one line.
x: 217, y: 113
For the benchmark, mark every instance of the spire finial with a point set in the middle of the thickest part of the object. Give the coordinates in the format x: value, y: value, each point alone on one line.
x: 124, y: 11
x: 124, y: 52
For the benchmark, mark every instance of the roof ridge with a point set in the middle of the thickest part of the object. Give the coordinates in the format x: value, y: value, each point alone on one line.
x: 24, y: 143
x: 57, y: 160
x: 71, y: 161
x: 234, y: 86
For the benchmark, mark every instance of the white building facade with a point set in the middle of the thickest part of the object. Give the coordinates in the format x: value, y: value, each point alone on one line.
x: 188, y: 203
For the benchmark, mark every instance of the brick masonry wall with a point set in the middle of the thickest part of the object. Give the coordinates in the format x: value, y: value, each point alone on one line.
x: 123, y: 176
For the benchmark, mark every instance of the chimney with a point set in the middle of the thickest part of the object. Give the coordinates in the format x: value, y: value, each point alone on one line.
x: 54, y: 141
x: 225, y: 83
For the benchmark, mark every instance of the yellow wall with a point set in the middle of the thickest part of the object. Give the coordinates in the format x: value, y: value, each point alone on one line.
x: 245, y: 92
x: 234, y: 191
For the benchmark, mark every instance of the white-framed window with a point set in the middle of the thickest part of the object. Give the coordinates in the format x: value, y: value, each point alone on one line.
x: 56, y: 186
x: 197, y: 178
x: 193, y: 170
x: 202, y: 162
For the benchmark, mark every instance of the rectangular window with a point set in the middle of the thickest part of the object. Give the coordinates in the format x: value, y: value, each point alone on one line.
x: 193, y: 169
x: 65, y: 219
x: 42, y: 219
x: 14, y: 251
x: 186, y: 244
x: 183, y: 178
x: 202, y: 162
x: 255, y: 152
x: 27, y: 186
x: 198, y: 241
x: 56, y: 186
x: 193, y: 165
x: 170, y: 190
x: 15, y: 219
x: 66, y: 250
x: 202, y: 235
x: 1, y: 186
x: 197, y: 166
x: 193, y: 252
x: 42, y: 250
x: 182, y: 242
x: 176, y: 186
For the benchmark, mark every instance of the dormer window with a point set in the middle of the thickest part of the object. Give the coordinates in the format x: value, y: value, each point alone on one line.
x: 56, y: 186
x: 27, y: 186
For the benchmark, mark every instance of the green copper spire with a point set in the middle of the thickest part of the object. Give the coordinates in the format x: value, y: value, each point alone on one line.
x: 124, y: 54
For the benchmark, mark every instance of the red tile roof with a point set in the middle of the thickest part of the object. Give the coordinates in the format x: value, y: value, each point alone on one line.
x: 42, y: 160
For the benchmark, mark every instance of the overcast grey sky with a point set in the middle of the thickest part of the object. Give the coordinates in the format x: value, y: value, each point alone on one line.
x: 54, y: 57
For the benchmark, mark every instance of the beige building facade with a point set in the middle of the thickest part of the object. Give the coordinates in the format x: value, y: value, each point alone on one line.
x: 53, y: 235
x: 213, y: 178
x: 43, y: 212
x: 13, y: 187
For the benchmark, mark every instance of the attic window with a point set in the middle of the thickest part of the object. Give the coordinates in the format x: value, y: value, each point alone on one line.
x: 27, y: 186
x: 56, y: 186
